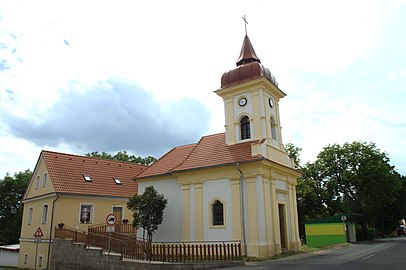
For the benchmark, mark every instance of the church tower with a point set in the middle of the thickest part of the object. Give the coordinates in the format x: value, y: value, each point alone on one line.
x: 240, y: 184
x: 251, y: 101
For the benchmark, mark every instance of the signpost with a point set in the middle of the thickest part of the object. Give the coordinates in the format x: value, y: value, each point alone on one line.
x: 111, y: 220
x: 343, y: 219
x: 37, y: 239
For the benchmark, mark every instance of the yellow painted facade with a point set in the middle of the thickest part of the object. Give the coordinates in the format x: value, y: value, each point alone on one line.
x: 262, y: 209
x: 257, y: 215
x: 60, y: 209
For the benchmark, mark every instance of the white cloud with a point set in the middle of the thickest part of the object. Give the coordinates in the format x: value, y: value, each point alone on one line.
x: 318, y: 50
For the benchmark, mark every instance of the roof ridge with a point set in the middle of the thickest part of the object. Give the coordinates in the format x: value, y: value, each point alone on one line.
x: 94, y: 158
x: 185, y: 145
x: 212, y: 135
x: 67, y: 174
x: 165, y: 155
x: 194, y: 148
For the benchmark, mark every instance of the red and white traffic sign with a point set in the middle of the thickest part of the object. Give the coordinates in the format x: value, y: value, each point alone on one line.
x: 111, y: 219
x: 38, y: 233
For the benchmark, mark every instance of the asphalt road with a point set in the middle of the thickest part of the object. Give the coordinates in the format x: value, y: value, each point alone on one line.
x: 385, y: 254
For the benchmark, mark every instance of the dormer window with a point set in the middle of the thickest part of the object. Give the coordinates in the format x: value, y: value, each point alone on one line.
x: 87, y: 178
x: 117, y: 181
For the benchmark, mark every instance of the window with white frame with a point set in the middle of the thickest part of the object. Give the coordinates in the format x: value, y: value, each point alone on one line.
x: 86, y: 213
x: 25, y: 258
x: 44, y: 213
x: 44, y: 180
x: 37, y: 182
x: 30, y: 212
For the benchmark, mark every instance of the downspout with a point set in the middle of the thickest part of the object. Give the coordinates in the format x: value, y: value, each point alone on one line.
x: 244, y: 238
x: 50, y: 230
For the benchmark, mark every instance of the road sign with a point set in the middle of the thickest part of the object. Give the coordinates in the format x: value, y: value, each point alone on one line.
x: 110, y: 229
x: 111, y: 220
x: 38, y: 233
x: 37, y: 239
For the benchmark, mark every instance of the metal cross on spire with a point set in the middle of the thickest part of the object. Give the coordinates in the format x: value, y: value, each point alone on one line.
x: 245, y: 24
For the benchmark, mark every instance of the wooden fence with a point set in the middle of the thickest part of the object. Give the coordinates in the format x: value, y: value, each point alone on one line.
x: 131, y: 247
x: 184, y: 251
x: 118, y: 228
x: 70, y: 233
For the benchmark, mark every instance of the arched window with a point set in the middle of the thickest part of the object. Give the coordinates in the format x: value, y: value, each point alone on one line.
x: 273, y: 129
x: 245, y: 128
x: 218, y: 213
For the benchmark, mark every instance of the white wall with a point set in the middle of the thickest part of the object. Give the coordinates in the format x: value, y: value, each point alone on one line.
x: 217, y: 189
x: 261, y: 210
x: 8, y: 258
x: 171, y: 227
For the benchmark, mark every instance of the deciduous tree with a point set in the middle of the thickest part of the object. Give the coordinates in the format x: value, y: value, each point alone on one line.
x: 123, y: 156
x: 12, y: 189
x: 359, y: 179
x: 148, y: 210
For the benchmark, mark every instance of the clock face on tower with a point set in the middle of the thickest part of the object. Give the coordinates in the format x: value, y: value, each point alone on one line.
x: 242, y: 102
x: 270, y: 101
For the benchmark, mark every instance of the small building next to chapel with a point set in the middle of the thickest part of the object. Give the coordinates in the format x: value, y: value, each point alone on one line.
x: 237, y: 185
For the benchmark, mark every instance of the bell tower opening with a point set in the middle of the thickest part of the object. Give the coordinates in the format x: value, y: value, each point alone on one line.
x: 251, y: 95
x: 245, y: 128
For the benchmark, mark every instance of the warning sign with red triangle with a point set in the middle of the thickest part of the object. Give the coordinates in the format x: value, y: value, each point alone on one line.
x: 38, y: 233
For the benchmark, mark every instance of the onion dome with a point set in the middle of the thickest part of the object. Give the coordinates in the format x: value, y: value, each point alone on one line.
x: 249, y: 68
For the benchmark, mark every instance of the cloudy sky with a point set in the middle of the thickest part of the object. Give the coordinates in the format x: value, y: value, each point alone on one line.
x: 83, y: 76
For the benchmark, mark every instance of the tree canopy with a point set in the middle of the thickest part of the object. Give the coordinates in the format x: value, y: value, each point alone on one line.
x: 294, y: 153
x: 12, y: 190
x: 148, y: 210
x: 351, y: 178
x: 123, y: 156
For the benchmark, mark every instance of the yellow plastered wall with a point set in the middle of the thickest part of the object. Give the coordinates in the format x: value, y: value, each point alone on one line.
x: 67, y: 211
x: 191, y: 183
x: 257, y: 91
x: 35, y: 190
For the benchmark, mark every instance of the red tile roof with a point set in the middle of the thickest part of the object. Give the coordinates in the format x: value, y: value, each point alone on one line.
x: 210, y: 151
x: 169, y: 161
x: 66, y: 173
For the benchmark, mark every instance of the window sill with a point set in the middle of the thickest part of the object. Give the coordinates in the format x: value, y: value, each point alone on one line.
x: 217, y: 227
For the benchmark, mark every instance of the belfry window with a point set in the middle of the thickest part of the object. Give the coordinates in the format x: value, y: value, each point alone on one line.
x: 245, y: 128
x: 218, y: 213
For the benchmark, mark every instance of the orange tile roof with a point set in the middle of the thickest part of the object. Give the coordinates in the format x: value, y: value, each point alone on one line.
x: 66, y: 173
x: 210, y: 151
x: 168, y: 162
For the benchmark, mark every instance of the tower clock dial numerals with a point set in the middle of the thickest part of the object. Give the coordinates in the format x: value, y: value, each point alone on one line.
x: 242, y: 102
x: 270, y: 101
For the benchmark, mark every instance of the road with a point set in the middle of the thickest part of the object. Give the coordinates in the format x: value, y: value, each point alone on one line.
x: 379, y: 254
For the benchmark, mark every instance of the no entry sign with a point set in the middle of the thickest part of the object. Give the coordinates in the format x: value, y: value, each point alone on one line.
x: 111, y: 219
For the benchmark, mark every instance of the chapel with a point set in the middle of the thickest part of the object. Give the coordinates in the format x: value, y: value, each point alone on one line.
x: 237, y: 185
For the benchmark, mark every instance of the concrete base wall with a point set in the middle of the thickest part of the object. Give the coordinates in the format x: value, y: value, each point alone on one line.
x: 66, y: 255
